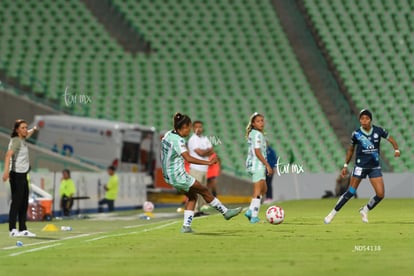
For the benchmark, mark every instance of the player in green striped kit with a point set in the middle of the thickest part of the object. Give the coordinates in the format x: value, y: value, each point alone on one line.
x: 173, y: 153
x: 256, y: 163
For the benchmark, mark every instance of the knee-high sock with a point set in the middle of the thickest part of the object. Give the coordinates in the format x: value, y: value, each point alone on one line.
x: 373, y: 202
x: 188, y: 217
x: 344, y: 199
x: 216, y: 204
x: 255, y: 207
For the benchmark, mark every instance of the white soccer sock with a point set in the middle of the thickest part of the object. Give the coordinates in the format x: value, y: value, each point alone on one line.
x: 218, y: 206
x: 188, y: 217
x: 251, y: 205
x: 255, y: 207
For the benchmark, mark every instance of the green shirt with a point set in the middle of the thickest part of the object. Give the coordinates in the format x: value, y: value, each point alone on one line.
x: 256, y: 140
x: 172, y: 146
x: 67, y: 187
x: 112, y: 187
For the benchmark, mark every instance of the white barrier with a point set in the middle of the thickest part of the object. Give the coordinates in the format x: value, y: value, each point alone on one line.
x: 132, y: 190
x: 310, y: 186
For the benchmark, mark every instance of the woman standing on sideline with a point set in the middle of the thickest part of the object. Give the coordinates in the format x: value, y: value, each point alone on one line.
x: 256, y: 163
x: 67, y: 190
x: 173, y: 154
x: 16, y: 167
x: 367, y: 140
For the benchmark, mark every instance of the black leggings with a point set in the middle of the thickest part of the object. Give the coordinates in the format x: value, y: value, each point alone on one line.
x: 110, y: 203
x: 20, y: 200
x: 66, y: 204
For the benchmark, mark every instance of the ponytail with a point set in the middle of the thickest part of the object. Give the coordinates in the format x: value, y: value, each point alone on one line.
x: 180, y: 120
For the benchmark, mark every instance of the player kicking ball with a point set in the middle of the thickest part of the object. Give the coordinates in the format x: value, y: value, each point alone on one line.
x: 173, y: 153
x: 367, y: 140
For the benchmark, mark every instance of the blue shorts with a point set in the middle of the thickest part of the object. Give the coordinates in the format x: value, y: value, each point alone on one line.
x: 361, y: 173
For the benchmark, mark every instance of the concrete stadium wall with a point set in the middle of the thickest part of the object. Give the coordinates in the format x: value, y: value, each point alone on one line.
x: 14, y: 107
x: 311, y: 186
x: 232, y: 185
x: 46, y: 159
x: 293, y: 186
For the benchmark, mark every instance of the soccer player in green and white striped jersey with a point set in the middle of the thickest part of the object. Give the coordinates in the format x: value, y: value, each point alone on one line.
x: 173, y: 153
x: 256, y: 163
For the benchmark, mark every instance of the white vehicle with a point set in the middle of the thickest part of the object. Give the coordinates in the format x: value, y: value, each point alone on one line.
x: 130, y: 147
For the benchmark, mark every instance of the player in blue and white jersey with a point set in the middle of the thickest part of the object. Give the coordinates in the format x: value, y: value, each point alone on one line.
x: 366, y: 140
x: 173, y: 153
x: 256, y: 163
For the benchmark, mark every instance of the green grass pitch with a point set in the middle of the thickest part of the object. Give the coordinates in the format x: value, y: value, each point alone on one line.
x: 301, y: 245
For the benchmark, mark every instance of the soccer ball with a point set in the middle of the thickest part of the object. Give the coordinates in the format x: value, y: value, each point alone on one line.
x: 275, y: 214
x: 148, y: 207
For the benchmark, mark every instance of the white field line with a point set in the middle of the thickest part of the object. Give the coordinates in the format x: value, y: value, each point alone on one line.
x: 134, y: 232
x: 90, y: 234
x: 52, y: 241
x: 34, y: 249
x: 137, y: 226
x: 144, y: 225
x: 94, y: 239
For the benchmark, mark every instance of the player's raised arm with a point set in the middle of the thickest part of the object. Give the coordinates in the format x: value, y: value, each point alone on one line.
x: 31, y: 131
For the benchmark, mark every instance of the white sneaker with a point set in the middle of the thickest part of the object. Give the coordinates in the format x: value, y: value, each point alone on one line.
x: 329, y: 218
x: 364, y: 215
x: 14, y: 233
x: 26, y: 233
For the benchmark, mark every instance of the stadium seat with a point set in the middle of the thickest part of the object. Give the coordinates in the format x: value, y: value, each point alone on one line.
x: 218, y: 61
x: 375, y: 71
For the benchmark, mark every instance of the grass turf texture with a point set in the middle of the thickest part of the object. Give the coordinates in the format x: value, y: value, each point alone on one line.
x: 301, y: 245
